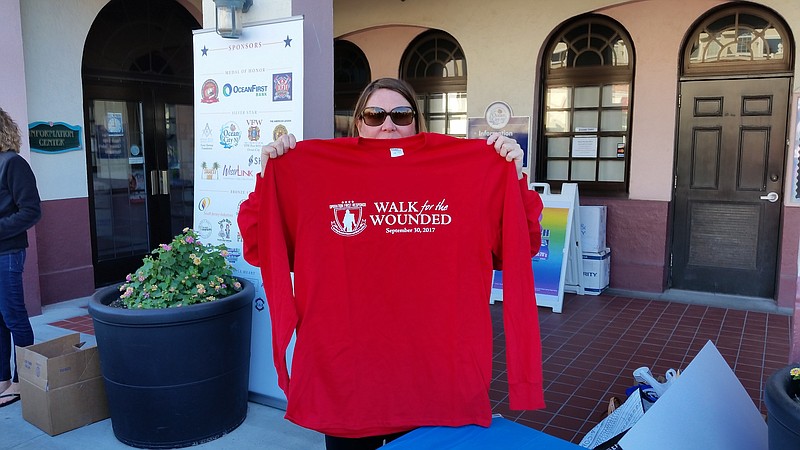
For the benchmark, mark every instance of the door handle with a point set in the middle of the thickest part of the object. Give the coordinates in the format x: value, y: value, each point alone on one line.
x: 772, y: 197
x: 159, y: 182
x: 154, y: 185
x: 164, y: 176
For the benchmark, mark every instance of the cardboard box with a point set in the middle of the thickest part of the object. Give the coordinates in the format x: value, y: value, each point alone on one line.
x: 593, y: 228
x: 596, y: 271
x: 61, y: 384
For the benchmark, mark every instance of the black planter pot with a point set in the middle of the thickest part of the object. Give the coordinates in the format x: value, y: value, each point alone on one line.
x: 783, y: 411
x: 174, y: 377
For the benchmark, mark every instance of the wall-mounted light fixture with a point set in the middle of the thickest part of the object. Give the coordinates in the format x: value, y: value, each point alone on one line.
x: 229, y: 17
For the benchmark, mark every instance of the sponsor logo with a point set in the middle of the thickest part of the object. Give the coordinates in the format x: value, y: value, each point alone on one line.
x: 204, y: 229
x: 204, y: 203
x: 237, y: 172
x: 209, y: 92
x: 229, y: 135
x: 279, y: 131
x: 254, y: 160
x: 253, y: 89
x: 233, y: 254
x: 282, y: 87
x: 210, y: 171
x: 224, y: 233
x: 253, y: 130
x: 347, y: 218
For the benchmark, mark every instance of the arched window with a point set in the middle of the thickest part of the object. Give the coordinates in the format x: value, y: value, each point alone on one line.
x: 351, y: 75
x: 587, y: 101
x: 435, y: 66
x: 743, y: 39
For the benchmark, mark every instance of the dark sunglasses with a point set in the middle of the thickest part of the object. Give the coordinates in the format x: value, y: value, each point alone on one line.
x: 374, y: 116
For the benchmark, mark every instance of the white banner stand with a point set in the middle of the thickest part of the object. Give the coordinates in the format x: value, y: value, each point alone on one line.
x: 248, y: 92
x: 559, y: 264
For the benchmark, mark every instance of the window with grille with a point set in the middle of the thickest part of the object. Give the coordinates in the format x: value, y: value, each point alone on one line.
x: 434, y: 65
x: 587, y: 106
x: 741, y: 39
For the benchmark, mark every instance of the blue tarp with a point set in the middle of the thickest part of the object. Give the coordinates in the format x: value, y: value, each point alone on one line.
x: 502, y: 434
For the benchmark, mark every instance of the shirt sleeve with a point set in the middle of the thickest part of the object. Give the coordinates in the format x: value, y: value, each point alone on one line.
x: 532, y: 202
x: 532, y: 205
x: 269, y: 243
x: 22, y: 185
x: 248, y: 224
x: 520, y: 315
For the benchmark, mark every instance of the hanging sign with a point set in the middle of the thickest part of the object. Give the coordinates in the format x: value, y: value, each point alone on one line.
x: 54, y: 137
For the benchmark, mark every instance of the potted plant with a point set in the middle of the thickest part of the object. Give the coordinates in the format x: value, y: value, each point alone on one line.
x: 782, y: 397
x: 174, y: 344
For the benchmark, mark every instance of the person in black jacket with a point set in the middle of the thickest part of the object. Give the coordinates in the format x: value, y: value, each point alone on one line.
x: 19, y: 210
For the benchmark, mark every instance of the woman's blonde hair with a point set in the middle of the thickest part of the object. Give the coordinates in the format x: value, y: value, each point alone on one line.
x: 10, y: 139
x: 392, y: 84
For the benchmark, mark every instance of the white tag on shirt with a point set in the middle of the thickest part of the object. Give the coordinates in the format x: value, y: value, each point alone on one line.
x: 396, y: 151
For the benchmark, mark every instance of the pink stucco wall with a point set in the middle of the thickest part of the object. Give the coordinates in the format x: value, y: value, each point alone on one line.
x: 13, y: 99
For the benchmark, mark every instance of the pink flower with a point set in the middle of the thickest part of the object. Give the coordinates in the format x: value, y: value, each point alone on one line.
x: 166, y: 247
x: 128, y: 278
x: 189, y: 239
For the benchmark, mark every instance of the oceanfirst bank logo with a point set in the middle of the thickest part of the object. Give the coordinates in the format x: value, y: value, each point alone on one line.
x: 255, y: 90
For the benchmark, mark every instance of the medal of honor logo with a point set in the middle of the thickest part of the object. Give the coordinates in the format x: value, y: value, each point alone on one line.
x: 348, y: 219
x: 209, y: 92
x: 282, y: 87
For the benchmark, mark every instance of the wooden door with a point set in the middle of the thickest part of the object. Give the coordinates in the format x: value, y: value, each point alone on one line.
x: 728, y: 185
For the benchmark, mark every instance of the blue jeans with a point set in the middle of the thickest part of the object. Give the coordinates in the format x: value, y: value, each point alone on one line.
x: 13, y: 315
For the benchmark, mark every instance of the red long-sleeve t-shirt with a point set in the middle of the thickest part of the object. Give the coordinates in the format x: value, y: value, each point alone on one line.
x: 392, y: 244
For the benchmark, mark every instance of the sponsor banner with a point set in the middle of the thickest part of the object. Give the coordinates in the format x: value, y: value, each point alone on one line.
x: 248, y: 92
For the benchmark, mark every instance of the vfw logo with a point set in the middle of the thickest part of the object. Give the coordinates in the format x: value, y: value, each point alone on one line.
x: 348, y: 219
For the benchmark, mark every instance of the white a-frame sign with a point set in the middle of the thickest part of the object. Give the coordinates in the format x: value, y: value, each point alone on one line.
x: 559, y: 264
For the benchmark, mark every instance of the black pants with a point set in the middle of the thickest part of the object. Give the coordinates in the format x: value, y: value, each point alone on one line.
x: 365, y: 443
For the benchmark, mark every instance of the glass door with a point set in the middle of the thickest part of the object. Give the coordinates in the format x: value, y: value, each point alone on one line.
x: 119, y: 185
x: 141, y: 164
x: 179, y: 126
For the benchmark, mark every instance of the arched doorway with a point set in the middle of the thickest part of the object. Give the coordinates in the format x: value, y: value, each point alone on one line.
x: 137, y: 82
x: 351, y: 74
x: 736, y: 78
